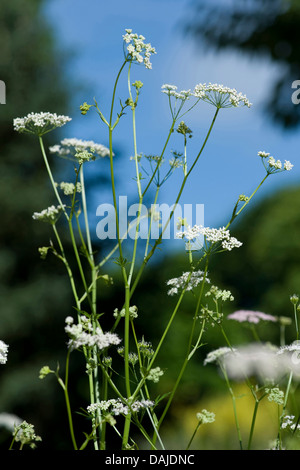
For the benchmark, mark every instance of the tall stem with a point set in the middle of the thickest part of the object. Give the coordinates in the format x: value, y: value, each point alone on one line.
x: 158, y: 241
x: 94, y: 298
x: 234, y: 407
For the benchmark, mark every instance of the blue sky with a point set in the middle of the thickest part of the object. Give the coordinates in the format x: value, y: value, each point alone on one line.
x: 229, y: 166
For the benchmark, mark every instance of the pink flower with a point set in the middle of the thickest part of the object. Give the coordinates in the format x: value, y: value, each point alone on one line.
x: 250, y: 316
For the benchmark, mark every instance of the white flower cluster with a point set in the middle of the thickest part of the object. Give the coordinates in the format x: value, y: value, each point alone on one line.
x: 119, y: 407
x: 82, y: 334
x: 187, y: 281
x: 276, y: 395
x: 290, y: 348
x: 212, y: 235
x: 132, y: 312
x: 218, y: 95
x: 264, y: 361
x: 69, y: 188
x: 51, y: 214
x: 137, y: 49
x: 289, y: 421
x: 190, y: 233
x: 40, y: 123
x: 171, y: 90
x: 155, y: 374
x: 3, y: 352
x: 206, y: 417
x: 272, y: 165
x: 79, y: 150
x: 25, y: 434
x: 217, y: 355
x: 217, y: 294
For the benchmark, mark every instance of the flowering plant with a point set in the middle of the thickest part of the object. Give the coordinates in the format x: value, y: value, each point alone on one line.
x: 134, y: 401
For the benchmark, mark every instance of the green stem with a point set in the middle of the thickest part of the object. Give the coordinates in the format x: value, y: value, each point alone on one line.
x: 253, y: 423
x: 69, y: 219
x: 126, y: 342
x: 70, y: 274
x: 134, y: 135
x: 284, y: 408
x: 161, y: 156
x: 135, y: 243
x: 104, y: 397
x: 190, y: 350
x: 78, y: 304
x: 69, y: 412
x: 51, y: 177
x: 150, y: 225
x: 126, y: 431
x: 235, y: 214
x: 158, y: 241
x: 122, y: 263
x: 95, y: 385
x: 193, y: 435
x: 234, y: 407
x: 296, y: 322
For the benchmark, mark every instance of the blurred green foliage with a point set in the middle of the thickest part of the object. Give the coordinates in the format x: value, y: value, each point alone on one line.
x: 33, y: 297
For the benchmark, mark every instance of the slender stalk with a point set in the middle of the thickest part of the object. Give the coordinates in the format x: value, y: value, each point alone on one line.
x: 126, y: 342
x: 287, y: 392
x: 234, y: 407
x: 51, y: 177
x: 69, y: 219
x: 103, y: 428
x: 134, y: 253
x: 236, y: 214
x: 190, y: 350
x: 77, y: 300
x: 70, y: 273
x: 161, y: 156
x: 122, y: 265
x: 133, y: 107
x: 296, y: 321
x: 193, y: 435
x: 150, y: 225
x: 253, y: 423
x: 93, y: 300
x: 158, y: 241
x: 64, y: 386
x: 126, y: 431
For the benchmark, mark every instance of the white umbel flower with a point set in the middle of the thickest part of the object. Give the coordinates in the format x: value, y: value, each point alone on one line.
x: 50, y: 215
x: 272, y: 165
x: 220, y: 95
x: 116, y: 406
x: 211, y: 235
x: 82, y: 334
x: 79, y: 150
x: 171, y: 90
x: 137, y: 49
x: 187, y: 281
x: 40, y: 123
x: 217, y: 355
x: 3, y: 352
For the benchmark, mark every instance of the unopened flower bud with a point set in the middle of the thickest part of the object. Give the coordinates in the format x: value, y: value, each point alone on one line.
x: 294, y: 299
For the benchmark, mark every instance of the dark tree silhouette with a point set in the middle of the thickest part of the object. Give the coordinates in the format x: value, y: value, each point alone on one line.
x: 259, y: 28
x: 33, y: 299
